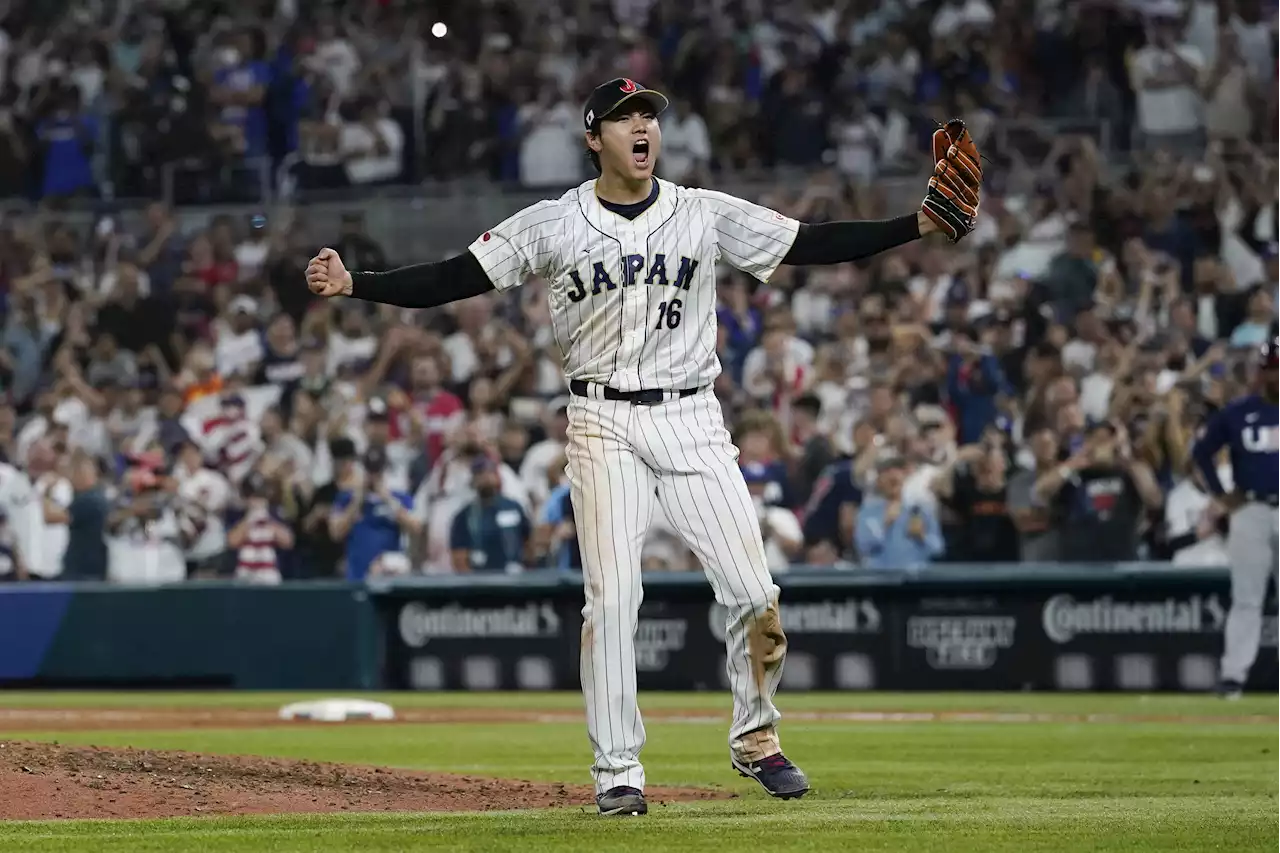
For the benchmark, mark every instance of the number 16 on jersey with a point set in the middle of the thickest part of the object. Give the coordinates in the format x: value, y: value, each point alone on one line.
x: 669, y: 314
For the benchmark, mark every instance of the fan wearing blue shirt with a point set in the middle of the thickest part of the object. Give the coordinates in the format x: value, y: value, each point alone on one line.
x: 893, y: 535
x: 561, y: 534
x: 1250, y: 432
x: 371, y: 517
x: 490, y: 534
x: 66, y: 139
x: 240, y: 89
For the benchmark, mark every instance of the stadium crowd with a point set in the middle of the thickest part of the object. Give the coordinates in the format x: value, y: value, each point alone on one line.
x: 177, y: 405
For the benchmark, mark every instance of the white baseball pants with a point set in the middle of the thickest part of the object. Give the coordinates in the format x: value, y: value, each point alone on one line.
x: 622, y: 459
x: 1251, y: 546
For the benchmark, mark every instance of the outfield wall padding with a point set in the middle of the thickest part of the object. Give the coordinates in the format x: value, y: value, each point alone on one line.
x: 1137, y: 627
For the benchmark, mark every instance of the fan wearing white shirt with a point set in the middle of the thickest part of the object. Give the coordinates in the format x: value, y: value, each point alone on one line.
x: 1193, y: 524
x: 52, y: 497
x: 251, y: 253
x: 239, y: 347
x: 203, y: 495
x: 549, y: 155
x: 686, y: 144
x: 20, y: 503
x: 335, y: 58
x: 351, y: 346
x: 1166, y: 79
x: 778, y: 367
x: 290, y: 450
x: 372, y: 148
x: 538, y: 459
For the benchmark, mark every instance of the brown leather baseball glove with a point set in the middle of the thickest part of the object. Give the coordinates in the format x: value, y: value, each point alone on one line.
x: 954, y: 189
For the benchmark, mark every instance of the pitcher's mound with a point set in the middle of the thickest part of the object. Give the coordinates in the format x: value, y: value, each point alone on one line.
x: 47, y: 780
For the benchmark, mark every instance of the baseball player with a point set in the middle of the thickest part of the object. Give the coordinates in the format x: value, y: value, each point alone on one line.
x: 630, y: 264
x: 1247, y: 427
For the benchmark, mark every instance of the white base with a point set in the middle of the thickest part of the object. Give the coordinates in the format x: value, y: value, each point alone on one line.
x: 337, y: 710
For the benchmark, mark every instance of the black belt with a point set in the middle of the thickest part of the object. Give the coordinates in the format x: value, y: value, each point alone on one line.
x: 644, y: 397
x: 1259, y: 497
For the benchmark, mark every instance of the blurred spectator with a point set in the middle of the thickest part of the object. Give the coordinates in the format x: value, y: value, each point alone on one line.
x: 491, y: 534
x: 12, y: 565
x: 975, y: 489
x: 1101, y: 493
x: 86, y: 518
x: 258, y: 534
x: 536, y: 471
x: 371, y: 146
x: 974, y: 383
x: 779, y: 529
x: 1166, y: 76
x: 52, y: 498
x: 372, y: 518
x: 556, y: 534
x: 203, y: 499
x: 550, y: 145
x: 354, y: 242
x: 319, y: 552
x: 892, y: 535
x: 1037, y: 528
x: 146, y: 541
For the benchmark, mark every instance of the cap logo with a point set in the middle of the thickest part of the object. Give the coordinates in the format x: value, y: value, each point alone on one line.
x: 628, y: 86
x: 591, y: 117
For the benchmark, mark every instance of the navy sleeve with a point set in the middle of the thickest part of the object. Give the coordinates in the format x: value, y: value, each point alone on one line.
x: 460, y: 531
x: 1216, y: 436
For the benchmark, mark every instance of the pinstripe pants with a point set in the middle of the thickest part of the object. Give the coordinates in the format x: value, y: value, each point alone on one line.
x: 622, y: 459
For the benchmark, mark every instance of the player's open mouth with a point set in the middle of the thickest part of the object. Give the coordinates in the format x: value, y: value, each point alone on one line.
x: 640, y: 152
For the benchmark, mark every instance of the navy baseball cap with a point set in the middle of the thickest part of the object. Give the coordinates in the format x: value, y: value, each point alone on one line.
x: 608, y: 97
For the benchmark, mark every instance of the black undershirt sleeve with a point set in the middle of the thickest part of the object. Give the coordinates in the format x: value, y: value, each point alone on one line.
x: 424, y: 285
x: 841, y: 242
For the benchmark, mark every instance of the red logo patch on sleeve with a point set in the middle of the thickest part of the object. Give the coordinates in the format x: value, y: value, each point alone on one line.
x: 485, y: 238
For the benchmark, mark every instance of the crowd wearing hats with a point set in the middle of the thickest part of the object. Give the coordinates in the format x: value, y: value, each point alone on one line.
x: 176, y: 405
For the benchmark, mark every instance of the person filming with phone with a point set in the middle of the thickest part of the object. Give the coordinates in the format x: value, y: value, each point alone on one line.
x: 1101, y: 493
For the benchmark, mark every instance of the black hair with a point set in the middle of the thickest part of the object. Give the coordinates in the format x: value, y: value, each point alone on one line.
x: 592, y: 156
x: 809, y: 403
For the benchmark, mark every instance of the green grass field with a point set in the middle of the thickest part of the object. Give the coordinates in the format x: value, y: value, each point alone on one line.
x: 1143, y: 783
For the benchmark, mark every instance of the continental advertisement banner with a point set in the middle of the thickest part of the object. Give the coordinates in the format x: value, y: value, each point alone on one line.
x: 1086, y: 634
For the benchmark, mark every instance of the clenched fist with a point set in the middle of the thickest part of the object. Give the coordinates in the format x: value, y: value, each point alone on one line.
x: 326, y: 276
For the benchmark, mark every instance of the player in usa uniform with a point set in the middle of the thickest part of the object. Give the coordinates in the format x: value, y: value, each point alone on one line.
x: 630, y: 264
x: 1248, y: 429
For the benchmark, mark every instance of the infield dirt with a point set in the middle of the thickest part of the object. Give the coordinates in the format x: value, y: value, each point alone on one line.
x: 49, y: 780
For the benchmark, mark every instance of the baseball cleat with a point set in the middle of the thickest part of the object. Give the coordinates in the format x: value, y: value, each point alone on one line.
x: 622, y: 800
x: 1230, y: 690
x: 776, y: 774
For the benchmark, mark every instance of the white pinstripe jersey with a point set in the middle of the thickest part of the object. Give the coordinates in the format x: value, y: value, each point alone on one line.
x: 633, y: 302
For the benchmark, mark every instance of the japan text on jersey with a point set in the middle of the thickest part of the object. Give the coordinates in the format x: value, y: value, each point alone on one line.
x: 633, y: 302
